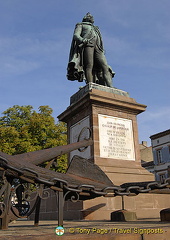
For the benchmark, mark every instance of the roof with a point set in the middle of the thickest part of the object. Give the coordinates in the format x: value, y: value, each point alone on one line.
x: 160, y: 134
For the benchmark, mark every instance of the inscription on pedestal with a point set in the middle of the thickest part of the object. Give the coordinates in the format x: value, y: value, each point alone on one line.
x: 116, y: 138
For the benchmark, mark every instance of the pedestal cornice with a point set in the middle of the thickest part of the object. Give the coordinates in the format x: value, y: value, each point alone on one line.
x: 103, y: 98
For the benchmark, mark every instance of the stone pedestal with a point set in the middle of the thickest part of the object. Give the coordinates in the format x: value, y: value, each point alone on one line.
x: 111, y: 115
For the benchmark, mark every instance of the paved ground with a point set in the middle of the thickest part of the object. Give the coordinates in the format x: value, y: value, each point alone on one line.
x: 145, y: 229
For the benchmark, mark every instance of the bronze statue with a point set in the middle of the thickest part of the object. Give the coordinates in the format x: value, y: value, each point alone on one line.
x: 87, y: 55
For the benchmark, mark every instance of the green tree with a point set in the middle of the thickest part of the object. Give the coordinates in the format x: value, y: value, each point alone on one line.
x: 22, y: 129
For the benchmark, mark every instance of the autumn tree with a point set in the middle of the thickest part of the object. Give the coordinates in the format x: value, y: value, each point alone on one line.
x: 22, y: 129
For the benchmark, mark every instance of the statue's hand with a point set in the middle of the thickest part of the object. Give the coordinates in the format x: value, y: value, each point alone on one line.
x: 85, y: 41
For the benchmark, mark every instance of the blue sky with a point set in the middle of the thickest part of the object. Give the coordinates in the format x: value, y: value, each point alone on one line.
x: 35, y: 38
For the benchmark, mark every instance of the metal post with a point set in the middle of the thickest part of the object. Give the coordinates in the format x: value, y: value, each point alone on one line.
x: 123, y: 203
x: 60, y: 208
x: 37, y: 212
x: 4, y: 221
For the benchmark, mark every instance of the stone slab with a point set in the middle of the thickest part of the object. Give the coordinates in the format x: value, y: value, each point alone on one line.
x: 165, y: 214
x: 123, y: 216
x: 116, y: 137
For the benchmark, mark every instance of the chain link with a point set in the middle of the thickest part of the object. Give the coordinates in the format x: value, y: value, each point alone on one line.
x: 126, y: 189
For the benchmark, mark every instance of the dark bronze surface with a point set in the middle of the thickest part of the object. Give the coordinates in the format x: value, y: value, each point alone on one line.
x: 87, y: 58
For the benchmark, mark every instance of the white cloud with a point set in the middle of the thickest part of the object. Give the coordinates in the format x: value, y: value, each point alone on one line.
x: 161, y: 114
x: 14, y: 66
x: 22, y: 54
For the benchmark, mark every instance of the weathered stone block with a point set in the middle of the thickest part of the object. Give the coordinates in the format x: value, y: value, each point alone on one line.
x: 165, y: 215
x: 123, y: 216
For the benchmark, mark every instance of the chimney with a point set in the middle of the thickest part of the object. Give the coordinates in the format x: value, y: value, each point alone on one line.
x: 144, y: 143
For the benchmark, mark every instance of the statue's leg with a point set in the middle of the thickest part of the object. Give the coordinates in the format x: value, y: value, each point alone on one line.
x: 102, y: 63
x: 88, y: 60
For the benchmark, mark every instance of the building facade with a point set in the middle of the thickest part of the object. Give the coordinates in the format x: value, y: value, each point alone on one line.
x: 146, y: 157
x: 161, y: 154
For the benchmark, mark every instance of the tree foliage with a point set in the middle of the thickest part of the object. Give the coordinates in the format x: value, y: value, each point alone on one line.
x: 22, y: 129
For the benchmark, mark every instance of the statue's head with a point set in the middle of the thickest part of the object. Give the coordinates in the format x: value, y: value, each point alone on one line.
x: 88, y: 18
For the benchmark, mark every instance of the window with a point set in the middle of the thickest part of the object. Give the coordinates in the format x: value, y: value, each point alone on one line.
x: 159, y: 155
x: 162, y: 177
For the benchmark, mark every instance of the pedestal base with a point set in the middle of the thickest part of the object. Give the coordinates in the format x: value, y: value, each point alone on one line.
x: 123, y: 216
x: 165, y: 215
x: 111, y: 115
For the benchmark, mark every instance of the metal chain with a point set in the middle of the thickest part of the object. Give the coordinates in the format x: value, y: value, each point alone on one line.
x: 132, y: 188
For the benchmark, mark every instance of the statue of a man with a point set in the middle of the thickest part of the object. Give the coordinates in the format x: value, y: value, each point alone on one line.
x: 87, y: 55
